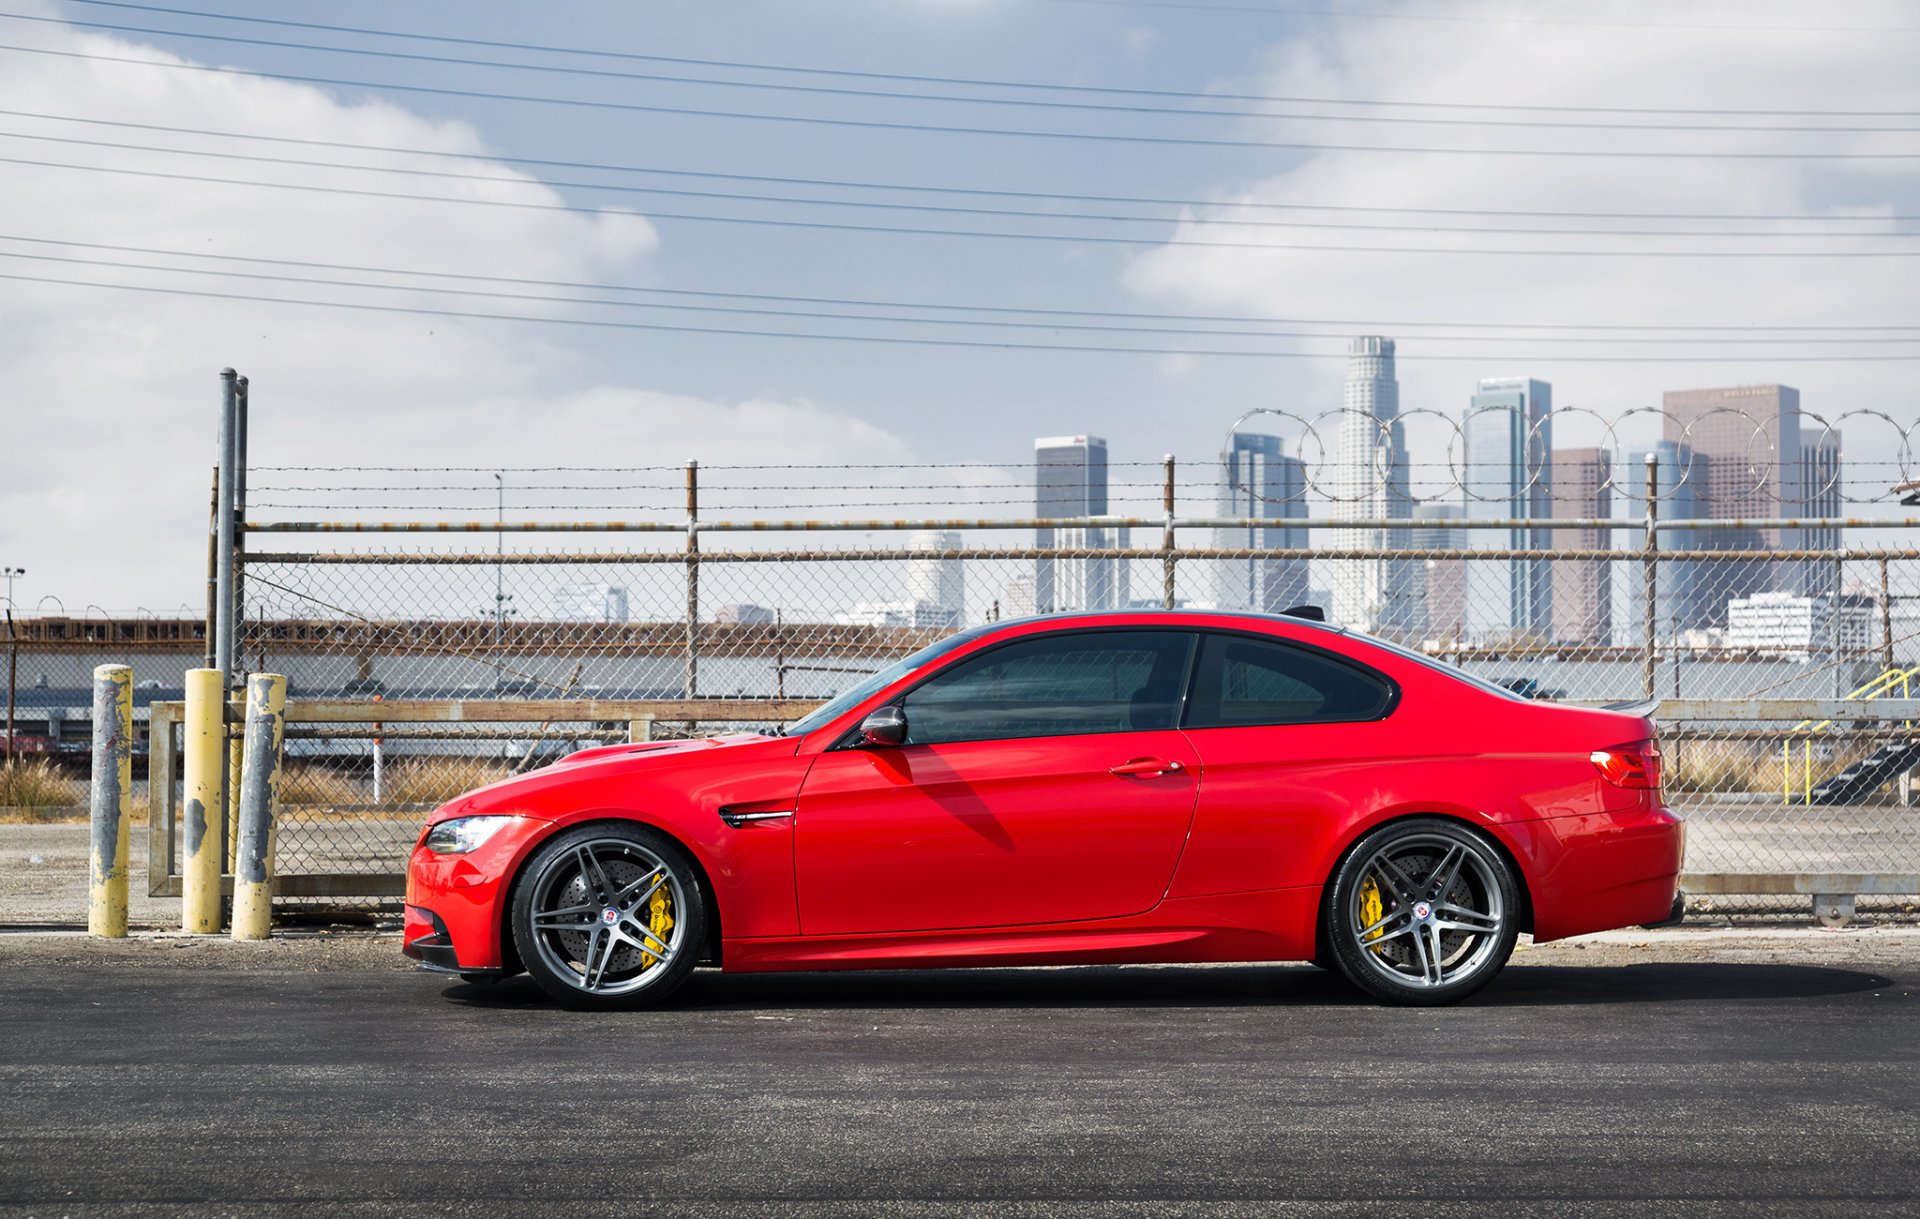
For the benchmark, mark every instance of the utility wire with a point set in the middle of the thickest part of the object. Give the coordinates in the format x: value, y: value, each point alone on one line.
x: 881, y: 304
x: 941, y: 209
x: 917, y: 341
x: 958, y: 129
x: 818, y: 315
x: 1139, y: 200
x: 957, y: 99
x: 998, y: 234
x: 1265, y: 10
x: 970, y: 82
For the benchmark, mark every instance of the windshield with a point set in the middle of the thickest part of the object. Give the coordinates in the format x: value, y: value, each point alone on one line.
x: 869, y: 686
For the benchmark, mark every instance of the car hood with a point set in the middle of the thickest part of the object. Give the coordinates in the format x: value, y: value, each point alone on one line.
x: 638, y: 756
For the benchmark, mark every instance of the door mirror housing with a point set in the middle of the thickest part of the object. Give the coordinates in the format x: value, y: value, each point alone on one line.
x: 885, y: 726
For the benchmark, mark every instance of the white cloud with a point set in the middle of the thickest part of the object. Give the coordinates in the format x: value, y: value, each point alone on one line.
x: 1548, y: 65
x: 110, y: 398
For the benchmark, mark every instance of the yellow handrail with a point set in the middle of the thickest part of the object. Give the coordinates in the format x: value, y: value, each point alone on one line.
x: 1873, y: 689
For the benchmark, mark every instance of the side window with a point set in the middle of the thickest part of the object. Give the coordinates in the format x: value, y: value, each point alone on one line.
x: 1055, y: 685
x: 1242, y: 680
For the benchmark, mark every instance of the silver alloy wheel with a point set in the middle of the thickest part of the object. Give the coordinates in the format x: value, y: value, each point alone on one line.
x: 591, y: 917
x: 1441, y: 913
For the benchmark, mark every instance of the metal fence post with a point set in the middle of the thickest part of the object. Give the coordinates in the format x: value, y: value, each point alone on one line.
x: 692, y: 678
x: 1651, y: 569
x: 1167, y: 559
x: 259, y: 786
x: 223, y: 524
x: 112, y: 785
x: 205, y: 778
x: 239, y: 509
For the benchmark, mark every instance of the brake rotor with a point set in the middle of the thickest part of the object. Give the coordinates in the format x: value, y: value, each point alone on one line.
x: 626, y: 958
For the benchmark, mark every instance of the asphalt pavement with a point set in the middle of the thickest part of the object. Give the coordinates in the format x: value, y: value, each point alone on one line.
x: 1617, y: 1080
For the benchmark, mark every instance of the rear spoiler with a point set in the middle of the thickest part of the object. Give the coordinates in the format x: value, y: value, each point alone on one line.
x: 1644, y: 707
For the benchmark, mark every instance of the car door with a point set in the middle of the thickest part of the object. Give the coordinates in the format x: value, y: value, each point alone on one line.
x: 1296, y: 742
x: 1043, y: 780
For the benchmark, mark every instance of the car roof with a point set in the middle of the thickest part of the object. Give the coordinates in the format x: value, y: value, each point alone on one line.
x: 1223, y: 616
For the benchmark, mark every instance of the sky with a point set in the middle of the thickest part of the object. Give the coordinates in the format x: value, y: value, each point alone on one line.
x: 109, y: 394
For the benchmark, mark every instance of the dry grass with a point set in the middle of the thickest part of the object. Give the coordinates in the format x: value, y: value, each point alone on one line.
x: 316, y: 784
x: 437, y: 780
x: 34, y: 789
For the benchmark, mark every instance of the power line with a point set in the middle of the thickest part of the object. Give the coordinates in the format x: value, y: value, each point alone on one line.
x: 944, y: 209
x: 818, y: 315
x: 1140, y: 200
x: 1000, y: 235
x: 1343, y: 323
x: 916, y: 341
x: 957, y: 129
x: 1217, y: 6
x: 958, y: 99
x: 973, y: 82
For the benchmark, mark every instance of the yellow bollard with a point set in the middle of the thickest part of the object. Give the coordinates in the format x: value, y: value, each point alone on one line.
x: 259, y: 789
x: 112, y: 784
x: 205, y: 822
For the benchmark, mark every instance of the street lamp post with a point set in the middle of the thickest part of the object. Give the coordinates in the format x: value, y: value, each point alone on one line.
x: 13, y: 659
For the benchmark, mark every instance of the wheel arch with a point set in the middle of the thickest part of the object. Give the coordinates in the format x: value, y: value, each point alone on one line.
x: 1490, y: 829
x: 510, y: 952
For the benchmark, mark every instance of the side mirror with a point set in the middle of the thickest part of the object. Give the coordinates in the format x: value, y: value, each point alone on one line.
x: 884, y: 726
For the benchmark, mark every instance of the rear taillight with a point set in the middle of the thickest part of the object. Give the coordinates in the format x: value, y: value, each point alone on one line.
x: 1636, y: 765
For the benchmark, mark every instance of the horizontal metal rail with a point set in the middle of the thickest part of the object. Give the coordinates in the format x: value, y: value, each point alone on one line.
x: 544, y: 710
x: 955, y: 524
x: 676, y: 558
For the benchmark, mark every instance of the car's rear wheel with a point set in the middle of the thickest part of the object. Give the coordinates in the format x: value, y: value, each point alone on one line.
x: 1423, y: 911
x: 609, y: 917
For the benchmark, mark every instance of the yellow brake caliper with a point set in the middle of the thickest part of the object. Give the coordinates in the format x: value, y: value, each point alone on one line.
x: 1371, y: 907
x: 660, y: 922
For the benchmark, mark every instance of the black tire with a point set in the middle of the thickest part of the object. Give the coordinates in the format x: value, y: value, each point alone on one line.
x: 587, y: 916
x: 1442, y: 917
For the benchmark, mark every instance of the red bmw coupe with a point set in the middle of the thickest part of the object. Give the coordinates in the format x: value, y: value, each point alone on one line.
x: 1161, y: 786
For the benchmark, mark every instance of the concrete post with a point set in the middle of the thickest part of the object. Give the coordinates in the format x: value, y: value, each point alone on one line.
x: 205, y: 779
x: 259, y: 786
x: 112, y: 784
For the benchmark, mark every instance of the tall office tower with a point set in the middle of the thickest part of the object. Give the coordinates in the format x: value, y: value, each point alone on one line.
x: 1820, y: 496
x: 1749, y: 438
x: 1258, y: 480
x: 1370, y: 482
x: 1446, y: 579
x: 1069, y: 479
x: 1582, y: 588
x: 1091, y: 584
x: 1507, y: 475
x: 1677, y: 606
x: 936, y: 581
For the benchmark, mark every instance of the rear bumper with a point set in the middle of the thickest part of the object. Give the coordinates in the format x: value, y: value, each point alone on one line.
x: 1607, y: 870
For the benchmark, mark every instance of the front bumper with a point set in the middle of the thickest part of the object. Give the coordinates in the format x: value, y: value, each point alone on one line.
x: 456, y: 910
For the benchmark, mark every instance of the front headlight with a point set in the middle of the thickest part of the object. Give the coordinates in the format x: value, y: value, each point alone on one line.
x: 464, y: 834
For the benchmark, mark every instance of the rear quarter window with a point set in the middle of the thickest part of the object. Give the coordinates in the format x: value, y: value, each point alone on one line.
x: 1245, y: 680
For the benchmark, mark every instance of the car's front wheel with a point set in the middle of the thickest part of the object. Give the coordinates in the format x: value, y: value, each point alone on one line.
x: 1422, y: 911
x: 609, y: 916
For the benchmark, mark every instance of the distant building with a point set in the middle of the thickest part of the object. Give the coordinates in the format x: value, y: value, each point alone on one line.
x: 1087, y: 583
x: 1507, y: 474
x: 1018, y: 600
x: 1582, y: 588
x: 1790, y: 625
x: 1069, y: 480
x: 744, y: 615
x: 936, y: 581
x: 590, y: 603
x: 1258, y: 480
x: 1678, y: 600
x: 1369, y: 481
x: 1446, y: 579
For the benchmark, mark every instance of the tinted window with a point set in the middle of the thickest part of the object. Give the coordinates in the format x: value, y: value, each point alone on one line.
x: 1055, y: 685
x: 1242, y: 680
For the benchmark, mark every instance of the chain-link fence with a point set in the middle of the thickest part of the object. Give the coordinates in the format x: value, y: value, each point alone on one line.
x: 1697, y: 554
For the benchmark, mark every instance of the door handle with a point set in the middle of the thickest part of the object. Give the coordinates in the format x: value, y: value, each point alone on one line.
x: 1146, y: 768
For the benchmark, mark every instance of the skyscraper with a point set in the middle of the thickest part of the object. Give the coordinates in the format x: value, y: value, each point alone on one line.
x: 936, y: 580
x: 1582, y: 588
x: 1446, y: 578
x: 1069, y: 480
x: 1370, y: 482
x: 1676, y: 598
x: 1507, y: 474
x: 1756, y: 465
x: 1258, y: 480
